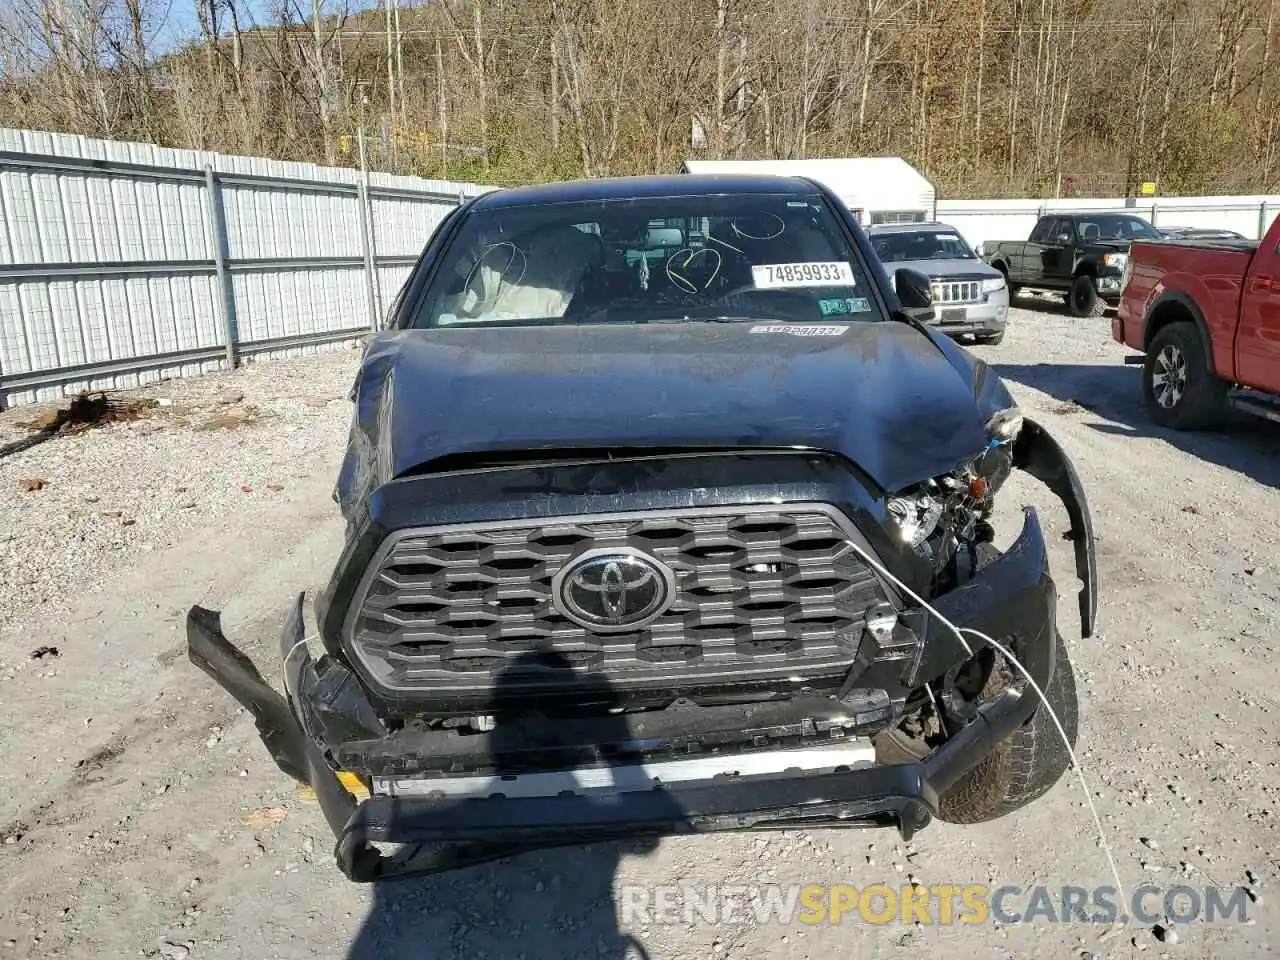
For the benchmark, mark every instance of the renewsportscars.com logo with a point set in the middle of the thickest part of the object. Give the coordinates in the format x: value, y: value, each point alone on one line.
x: 941, y: 904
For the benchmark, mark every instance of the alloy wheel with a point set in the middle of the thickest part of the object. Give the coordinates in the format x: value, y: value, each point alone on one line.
x: 1169, y: 379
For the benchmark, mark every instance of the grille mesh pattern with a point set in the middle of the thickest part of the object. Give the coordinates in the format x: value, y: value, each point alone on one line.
x: 760, y: 589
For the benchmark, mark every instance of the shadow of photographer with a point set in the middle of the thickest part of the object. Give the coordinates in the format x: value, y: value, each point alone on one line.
x: 554, y: 902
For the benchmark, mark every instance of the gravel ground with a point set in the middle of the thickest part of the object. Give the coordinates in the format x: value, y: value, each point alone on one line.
x: 115, y: 494
x: 140, y: 816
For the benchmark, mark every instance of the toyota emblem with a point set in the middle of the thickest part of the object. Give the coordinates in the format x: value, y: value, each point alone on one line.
x: 613, y: 590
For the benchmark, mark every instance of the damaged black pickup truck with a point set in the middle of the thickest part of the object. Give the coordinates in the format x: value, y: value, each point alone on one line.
x: 665, y: 512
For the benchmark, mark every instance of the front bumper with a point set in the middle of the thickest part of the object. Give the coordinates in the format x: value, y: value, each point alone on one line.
x: 1127, y: 323
x: 314, y: 734
x: 982, y: 319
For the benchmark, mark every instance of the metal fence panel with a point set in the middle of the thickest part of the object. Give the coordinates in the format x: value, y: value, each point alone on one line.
x: 121, y: 263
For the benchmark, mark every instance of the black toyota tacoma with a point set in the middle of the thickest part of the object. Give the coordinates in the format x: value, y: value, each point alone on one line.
x: 665, y: 514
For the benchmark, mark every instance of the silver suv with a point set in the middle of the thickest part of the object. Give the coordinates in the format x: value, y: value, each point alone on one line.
x: 969, y: 296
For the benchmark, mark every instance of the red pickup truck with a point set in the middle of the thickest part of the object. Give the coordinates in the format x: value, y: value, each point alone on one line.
x: 1206, y: 316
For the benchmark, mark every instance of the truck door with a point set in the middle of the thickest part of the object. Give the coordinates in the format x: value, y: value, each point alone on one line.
x: 1258, y: 337
x: 1027, y: 261
x: 1058, y: 258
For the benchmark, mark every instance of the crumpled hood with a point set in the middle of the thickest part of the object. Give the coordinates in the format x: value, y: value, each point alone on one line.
x: 895, y: 401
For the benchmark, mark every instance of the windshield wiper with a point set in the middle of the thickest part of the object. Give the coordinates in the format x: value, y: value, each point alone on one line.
x: 726, y: 318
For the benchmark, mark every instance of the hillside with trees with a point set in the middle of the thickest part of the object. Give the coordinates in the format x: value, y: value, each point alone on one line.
x: 988, y: 97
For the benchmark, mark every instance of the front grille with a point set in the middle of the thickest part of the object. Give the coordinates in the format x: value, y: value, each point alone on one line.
x: 957, y: 291
x: 452, y: 608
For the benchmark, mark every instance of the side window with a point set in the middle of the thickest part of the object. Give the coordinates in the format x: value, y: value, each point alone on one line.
x: 394, y: 317
x: 400, y: 316
x: 389, y: 320
x: 1063, y: 231
x: 1042, y: 231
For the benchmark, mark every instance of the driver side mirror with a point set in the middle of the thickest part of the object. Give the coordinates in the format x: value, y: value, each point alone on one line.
x: 915, y: 293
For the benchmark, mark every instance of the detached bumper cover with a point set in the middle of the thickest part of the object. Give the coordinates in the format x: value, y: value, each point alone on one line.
x: 305, y: 730
x: 1036, y: 452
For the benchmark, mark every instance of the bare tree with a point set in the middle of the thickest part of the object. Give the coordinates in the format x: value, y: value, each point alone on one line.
x: 1007, y: 96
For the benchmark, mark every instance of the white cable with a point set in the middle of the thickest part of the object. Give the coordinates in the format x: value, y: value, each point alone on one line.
x: 959, y: 633
x: 724, y: 244
x: 284, y: 670
x: 683, y: 282
x: 1075, y: 763
x: 879, y: 568
x: 502, y: 274
x: 782, y: 228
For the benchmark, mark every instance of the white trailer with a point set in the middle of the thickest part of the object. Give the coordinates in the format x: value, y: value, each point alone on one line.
x: 877, y: 189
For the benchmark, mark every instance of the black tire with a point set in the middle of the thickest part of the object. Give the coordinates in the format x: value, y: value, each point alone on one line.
x: 1083, y: 300
x: 1179, y: 387
x: 1021, y: 769
x: 990, y: 339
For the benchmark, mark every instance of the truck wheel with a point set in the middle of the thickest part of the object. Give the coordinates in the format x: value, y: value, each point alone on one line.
x: 1083, y: 299
x: 1180, y: 389
x: 1027, y: 765
x: 990, y: 339
x: 1021, y: 769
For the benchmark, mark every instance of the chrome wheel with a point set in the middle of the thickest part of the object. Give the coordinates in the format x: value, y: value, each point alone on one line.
x: 1169, y: 378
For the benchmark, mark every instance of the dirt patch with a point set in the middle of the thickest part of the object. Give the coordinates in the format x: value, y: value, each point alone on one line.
x: 240, y: 415
x: 98, y: 760
x: 84, y: 412
x: 264, y: 817
x: 88, y: 410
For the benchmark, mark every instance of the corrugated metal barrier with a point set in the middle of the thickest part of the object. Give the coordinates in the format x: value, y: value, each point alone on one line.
x: 122, y: 263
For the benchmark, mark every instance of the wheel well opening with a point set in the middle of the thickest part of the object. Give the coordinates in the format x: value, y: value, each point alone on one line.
x: 1166, y: 313
x: 1087, y: 270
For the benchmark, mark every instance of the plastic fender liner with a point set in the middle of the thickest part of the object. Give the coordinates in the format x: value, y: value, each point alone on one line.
x: 1040, y: 455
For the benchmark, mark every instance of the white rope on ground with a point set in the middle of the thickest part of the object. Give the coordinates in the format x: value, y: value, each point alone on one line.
x: 959, y: 633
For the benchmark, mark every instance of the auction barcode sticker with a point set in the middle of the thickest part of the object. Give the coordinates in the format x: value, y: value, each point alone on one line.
x: 818, y: 274
x: 807, y: 330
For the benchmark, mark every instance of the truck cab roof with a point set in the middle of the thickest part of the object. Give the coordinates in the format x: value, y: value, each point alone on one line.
x: 625, y: 188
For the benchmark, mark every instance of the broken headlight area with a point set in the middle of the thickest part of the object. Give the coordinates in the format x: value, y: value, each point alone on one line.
x: 947, y: 518
x: 942, y: 516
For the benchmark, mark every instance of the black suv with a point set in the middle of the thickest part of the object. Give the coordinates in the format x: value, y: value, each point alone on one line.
x: 666, y: 513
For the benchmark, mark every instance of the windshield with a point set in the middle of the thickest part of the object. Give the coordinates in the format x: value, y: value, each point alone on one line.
x: 667, y: 259
x: 1113, y: 227
x: 920, y: 245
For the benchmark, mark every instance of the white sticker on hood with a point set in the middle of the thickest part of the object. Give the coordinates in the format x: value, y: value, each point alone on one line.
x: 799, y: 330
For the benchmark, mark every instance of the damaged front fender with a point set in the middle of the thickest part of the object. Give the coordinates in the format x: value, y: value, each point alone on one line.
x: 1041, y: 456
